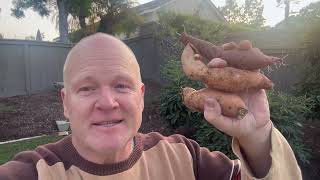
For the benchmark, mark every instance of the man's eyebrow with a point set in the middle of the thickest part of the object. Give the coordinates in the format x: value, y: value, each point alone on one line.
x: 125, y: 79
x: 82, y: 79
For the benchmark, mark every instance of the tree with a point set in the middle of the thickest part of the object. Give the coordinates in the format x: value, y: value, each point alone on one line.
x: 312, y: 11
x: 231, y: 11
x: 287, y: 6
x: 39, y: 36
x: 111, y: 12
x: 250, y: 13
x: 309, y: 17
x: 30, y: 38
x: 44, y: 8
x: 109, y: 16
x: 80, y: 9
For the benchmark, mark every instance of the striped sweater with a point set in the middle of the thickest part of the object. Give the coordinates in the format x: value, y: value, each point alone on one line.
x: 154, y: 157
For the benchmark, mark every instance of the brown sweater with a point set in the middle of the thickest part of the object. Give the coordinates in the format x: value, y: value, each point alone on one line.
x: 154, y: 157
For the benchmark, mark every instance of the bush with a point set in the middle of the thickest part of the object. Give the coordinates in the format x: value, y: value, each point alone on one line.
x: 171, y: 99
x: 171, y: 24
x: 287, y: 113
x: 310, y: 84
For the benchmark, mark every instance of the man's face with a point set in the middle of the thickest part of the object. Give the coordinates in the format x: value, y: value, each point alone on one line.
x: 103, y: 100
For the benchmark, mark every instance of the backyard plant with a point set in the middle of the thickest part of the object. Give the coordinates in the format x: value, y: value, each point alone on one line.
x: 287, y: 112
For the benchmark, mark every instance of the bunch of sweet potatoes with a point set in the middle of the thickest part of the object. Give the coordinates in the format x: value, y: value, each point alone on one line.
x: 234, y: 69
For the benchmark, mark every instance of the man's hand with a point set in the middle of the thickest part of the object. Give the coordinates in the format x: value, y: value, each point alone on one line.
x: 253, y: 131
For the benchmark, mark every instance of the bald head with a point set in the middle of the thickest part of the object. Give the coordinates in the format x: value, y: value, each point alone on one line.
x: 100, y: 47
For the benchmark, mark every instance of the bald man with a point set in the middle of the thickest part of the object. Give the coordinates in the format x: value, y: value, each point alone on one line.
x: 103, y: 98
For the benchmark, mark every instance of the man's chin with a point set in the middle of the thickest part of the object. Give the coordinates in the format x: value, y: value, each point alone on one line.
x: 108, y: 144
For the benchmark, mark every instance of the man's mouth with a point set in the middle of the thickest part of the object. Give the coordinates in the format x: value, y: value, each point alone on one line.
x: 108, y: 123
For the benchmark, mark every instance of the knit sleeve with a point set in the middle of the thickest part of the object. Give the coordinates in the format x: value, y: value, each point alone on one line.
x: 23, y: 166
x: 211, y: 165
x: 284, y: 164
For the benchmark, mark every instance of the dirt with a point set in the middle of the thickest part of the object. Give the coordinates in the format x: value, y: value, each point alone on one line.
x: 30, y: 115
x: 25, y: 116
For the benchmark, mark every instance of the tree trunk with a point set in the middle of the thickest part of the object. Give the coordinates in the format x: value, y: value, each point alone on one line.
x: 106, y: 25
x: 287, y: 9
x: 63, y: 21
x: 82, y: 17
x: 82, y: 22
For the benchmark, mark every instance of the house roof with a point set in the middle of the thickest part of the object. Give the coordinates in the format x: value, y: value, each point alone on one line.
x: 151, y: 5
x: 156, y: 4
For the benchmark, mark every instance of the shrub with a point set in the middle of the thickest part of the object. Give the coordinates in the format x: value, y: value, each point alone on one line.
x: 287, y: 112
x: 171, y: 24
x: 310, y: 84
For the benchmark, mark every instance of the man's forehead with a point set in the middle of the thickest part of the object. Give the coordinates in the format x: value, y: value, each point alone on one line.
x: 95, y: 78
x: 101, y: 45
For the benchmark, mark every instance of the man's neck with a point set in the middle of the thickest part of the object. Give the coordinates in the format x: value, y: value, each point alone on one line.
x: 105, y: 158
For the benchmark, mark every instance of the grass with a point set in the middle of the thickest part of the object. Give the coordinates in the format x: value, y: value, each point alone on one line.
x: 9, y: 150
x: 7, y: 109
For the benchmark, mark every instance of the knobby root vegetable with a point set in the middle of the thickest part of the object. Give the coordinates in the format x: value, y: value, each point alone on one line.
x: 236, y: 56
x: 227, y: 79
x: 231, y: 104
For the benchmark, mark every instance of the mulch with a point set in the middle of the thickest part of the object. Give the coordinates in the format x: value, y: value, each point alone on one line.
x: 30, y: 115
x: 36, y: 114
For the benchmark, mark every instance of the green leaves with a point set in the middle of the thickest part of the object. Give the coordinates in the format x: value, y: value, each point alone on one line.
x: 288, y: 114
x: 249, y: 14
x: 39, y: 6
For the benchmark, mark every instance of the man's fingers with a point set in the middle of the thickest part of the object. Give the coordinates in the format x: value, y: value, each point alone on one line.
x: 212, y: 113
x: 245, y: 45
x: 217, y: 63
x: 213, y: 106
x: 230, y: 46
x: 198, y: 57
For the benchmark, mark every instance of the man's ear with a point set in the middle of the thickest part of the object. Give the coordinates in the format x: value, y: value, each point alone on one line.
x: 142, y: 91
x: 64, y: 102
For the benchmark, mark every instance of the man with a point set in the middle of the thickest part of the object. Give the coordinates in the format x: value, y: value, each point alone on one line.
x: 103, y: 98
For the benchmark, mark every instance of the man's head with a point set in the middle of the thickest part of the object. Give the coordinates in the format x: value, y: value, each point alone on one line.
x: 103, y: 97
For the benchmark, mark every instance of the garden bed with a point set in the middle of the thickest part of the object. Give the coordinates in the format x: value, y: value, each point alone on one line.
x: 26, y: 116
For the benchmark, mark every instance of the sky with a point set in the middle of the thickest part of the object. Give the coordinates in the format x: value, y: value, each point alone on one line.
x: 13, y: 28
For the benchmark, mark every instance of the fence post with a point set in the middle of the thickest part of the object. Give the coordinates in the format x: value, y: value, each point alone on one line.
x: 27, y: 68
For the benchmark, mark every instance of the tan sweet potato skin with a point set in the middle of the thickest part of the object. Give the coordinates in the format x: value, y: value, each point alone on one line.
x: 231, y: 104
x: 227, y: 79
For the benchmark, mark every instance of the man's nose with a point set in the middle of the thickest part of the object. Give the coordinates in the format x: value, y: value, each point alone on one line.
x: 107, y: 100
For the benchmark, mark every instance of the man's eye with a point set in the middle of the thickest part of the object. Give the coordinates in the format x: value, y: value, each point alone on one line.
x: 121, y: 86
x: 87, y: 89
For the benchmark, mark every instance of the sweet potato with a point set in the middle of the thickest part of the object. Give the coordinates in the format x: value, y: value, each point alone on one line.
x: 227, y: 79
x: 231, y: 104
x: 236, y: 57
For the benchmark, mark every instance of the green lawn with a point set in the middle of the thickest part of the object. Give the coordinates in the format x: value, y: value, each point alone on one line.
x: 7, y: 151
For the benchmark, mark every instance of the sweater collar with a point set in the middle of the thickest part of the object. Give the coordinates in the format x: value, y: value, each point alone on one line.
x: 70, y: 157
